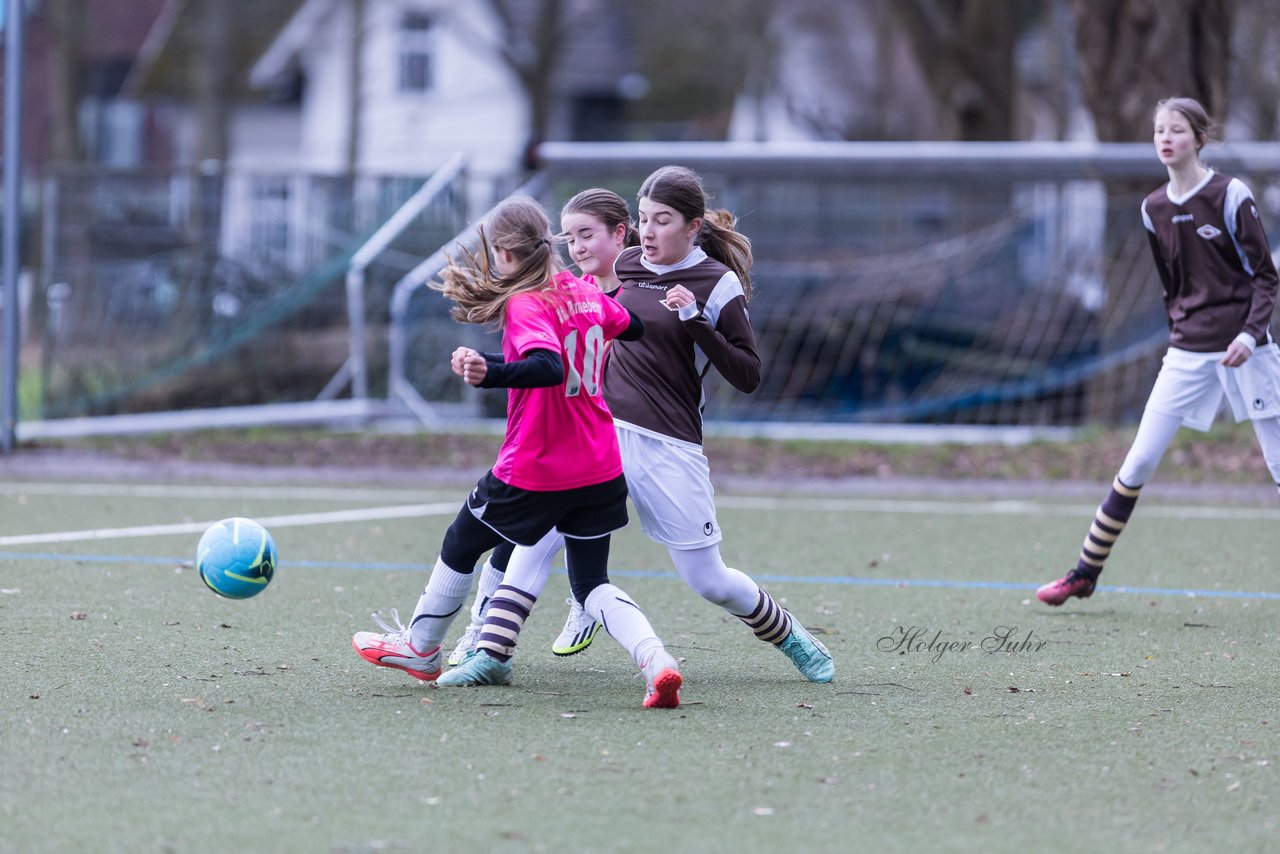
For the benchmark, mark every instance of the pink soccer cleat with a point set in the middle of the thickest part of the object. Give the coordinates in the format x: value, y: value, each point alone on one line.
x: 392, y: 648
x: 662, y: 681
x: 1074, y: 583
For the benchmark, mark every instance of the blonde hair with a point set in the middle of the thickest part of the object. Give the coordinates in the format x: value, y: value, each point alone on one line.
x: 480, y: 293
x: 680, y: 189
x: 1203, y: 127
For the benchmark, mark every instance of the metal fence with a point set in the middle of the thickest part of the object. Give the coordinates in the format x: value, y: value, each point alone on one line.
x: 923, y: 283
x: 166, y: 291
x: 944, y: 283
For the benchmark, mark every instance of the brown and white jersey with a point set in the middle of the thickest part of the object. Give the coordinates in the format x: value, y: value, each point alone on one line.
x: 1214, y: 261
x: 654, y: 384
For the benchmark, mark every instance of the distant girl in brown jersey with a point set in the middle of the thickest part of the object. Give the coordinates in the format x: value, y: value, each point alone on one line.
x: 1220, y: 288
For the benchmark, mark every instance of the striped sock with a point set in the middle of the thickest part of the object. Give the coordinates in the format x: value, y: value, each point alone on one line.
x: 508, y: 609
x: 1113, y: 514
x: 770, y: 622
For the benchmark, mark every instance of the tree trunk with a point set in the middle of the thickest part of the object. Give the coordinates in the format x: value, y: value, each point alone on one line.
x: 1135, y: 52
x: 357, y: 88
x: 66, y: 37
x: 965, y: 49
x: 211, y: 80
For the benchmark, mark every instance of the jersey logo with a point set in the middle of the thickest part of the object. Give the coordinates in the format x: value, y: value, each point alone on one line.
x: 1259, y: 404
x: 1208, y: 232
x: 708, y: 529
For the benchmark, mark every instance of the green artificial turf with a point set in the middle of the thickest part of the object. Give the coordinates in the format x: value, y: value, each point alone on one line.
x: 142, y: 713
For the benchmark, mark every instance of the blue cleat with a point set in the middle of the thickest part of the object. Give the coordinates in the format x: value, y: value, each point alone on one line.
x: 809, y: 656
x: 478, y: 668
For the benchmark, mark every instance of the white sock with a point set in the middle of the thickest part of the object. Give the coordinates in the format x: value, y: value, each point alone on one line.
x: 490, y: 578
x: 437, y: 606
x: 624, y: 621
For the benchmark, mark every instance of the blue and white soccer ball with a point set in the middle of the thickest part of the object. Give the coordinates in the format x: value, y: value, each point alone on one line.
x: 236, y: 558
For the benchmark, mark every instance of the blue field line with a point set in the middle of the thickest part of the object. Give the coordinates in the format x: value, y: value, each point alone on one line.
x: 854, y: 580
x: 176, y: 561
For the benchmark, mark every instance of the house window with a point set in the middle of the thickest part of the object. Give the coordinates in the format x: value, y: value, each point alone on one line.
x: 416, y: 47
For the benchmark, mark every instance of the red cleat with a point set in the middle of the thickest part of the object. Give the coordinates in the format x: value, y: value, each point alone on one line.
x: 662, y: 682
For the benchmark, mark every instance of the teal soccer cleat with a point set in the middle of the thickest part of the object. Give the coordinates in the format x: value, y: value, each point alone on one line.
x: 809, y: 656
x: 478, y: 668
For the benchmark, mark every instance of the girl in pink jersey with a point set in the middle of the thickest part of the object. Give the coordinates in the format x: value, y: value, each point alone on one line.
x: 595, y: 226
x: 558, y: 466
x: 1220, y: 285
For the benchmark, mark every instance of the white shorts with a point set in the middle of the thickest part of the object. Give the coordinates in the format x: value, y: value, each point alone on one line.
x: 1191, y: 386
x: 670, y: 486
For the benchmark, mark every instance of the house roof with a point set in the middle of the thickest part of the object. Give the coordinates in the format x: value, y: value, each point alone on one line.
x: 291, y: 38
x: 599, y: 57
x: 163, y: 68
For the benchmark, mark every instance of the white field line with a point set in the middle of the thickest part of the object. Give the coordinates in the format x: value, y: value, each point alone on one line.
x: 89, y: 490
x: 1014, y: 507
x: 828, y: 505
x: 403, y: 511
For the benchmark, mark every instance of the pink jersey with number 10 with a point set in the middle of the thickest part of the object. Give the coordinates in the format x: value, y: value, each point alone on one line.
x: 562, y: 436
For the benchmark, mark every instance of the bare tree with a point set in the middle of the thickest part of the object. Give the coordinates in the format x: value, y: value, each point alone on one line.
x: 1134, y: 52
x: 532, y: 38
x: 699, y: 57
x: 1255, y: 73
x: 66, y: 40
x: 966, y: 50
x: 211, y: 79
x: 842, y: 66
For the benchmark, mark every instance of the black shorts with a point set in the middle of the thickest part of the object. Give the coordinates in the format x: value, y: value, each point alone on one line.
x: 524, y: 516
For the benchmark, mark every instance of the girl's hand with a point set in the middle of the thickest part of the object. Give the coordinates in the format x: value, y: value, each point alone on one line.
x: 456, y: 360
x: 678, y: 297
x: 469, y: 365
x: 1237, y: 355
x: 474, y: 368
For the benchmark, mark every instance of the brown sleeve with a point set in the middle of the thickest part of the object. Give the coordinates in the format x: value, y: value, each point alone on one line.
x: 730, y: 345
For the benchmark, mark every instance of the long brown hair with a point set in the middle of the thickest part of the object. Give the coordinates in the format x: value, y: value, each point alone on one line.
x: 520, y: 226
x: 680, y: 189
x: 606, y: 206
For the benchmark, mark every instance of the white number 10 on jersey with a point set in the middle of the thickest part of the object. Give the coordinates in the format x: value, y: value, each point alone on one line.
x: 589, y: 369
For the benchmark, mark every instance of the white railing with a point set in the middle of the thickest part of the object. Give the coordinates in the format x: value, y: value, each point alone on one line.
x: 355, y: 369
x: 401, y: 392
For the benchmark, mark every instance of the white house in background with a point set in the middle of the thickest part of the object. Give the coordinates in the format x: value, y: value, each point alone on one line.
x: 427, y: 86
x: 429, y: 83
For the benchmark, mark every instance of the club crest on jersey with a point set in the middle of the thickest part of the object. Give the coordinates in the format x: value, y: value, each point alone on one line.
x: 1208, y: 232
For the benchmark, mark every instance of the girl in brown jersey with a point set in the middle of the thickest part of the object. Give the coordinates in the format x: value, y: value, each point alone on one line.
x: 690, y: 281
x: 1220, y: 285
